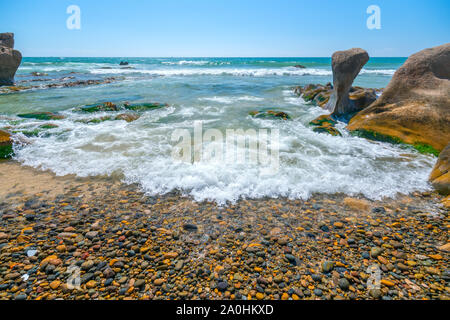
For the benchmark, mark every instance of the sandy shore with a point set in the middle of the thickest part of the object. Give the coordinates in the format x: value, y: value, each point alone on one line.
x: 120, y: 244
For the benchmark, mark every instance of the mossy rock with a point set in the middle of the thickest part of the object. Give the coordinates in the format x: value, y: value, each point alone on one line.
x: 372, y: 135
x: 322, y: 119
x: 41, y: 116
x: 145, y: 106
x: 29, y: 133
x: 49, y: 126
x: 325, y: 124
x: 6, y: 149
x: 128, y: 117
x: 100, y: 107
x: 270, y: 114
x: 327, y: 128
x: 96, y: 120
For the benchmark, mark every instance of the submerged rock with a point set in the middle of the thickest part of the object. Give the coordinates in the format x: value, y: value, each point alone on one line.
x: 102, y: 107
x: 415, y: 106
x: 270, y: 114
x: 41, y: 116
x: 128, y: 117
x: 440, y: 176
x: 10, y: 59
x: 299, y: 66
x: 6, y: 149
x: 346, y: 65
x: 124, y: 116
x: 123, y: 63
x: 325, y: 124
x: 145, y: 106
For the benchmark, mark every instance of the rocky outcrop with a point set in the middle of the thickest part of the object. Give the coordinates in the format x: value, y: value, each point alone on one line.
x: 346, y: 65
x: 9, y: 59
x: 6, y: 149
x: 415, y: 106
x: 440, y: 176
x: 320, y: 95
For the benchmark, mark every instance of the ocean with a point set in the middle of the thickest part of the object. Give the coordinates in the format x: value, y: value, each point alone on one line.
x: 219, y: 92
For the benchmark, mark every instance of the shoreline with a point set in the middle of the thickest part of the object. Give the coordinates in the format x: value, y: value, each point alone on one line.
x: 131, y: 246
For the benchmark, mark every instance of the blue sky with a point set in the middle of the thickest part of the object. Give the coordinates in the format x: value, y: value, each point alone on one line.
x: 223, y: 28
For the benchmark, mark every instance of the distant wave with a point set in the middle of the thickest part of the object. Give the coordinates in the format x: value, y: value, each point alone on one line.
x: 261, y: 72
x: 230, y: 100
x: 256, y: 72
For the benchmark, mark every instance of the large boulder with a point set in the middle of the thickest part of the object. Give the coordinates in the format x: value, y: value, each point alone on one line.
x: 10, y: 59
x: 346, y: 65
x: 415, y: 106
x: 440, y: 176
x: 6, y: 149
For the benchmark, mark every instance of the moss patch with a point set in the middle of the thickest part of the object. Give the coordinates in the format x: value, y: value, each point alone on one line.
x: 6, y: 151
x: 372, y: 135
x: 270, y: 114
x: 144, y: 106
x: 326, y: 118
x: 100, y: 107
x: 426, y: 148
x: 41, y: 116
x: 327, y: 129
x: 49, y: 126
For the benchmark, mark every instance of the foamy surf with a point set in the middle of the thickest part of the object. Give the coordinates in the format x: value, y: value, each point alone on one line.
x: 309, y: 162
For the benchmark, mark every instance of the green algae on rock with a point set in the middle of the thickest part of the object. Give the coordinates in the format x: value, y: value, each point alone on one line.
x: 100, y: 107
x: 376, y: 136
x: 49, y: 126
x: 270, y: 114
x: 128, y: 117
x: 145, y: 106
x: 325, y: 124
x: 41, y: 116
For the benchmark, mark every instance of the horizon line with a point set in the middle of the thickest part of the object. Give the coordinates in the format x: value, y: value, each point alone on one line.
x: 198, y: 57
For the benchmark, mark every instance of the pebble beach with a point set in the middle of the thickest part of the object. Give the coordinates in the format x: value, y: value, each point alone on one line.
x: 97, y: 238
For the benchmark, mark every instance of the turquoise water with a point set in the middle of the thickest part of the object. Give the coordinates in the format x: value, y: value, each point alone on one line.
x: 219, y: 92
